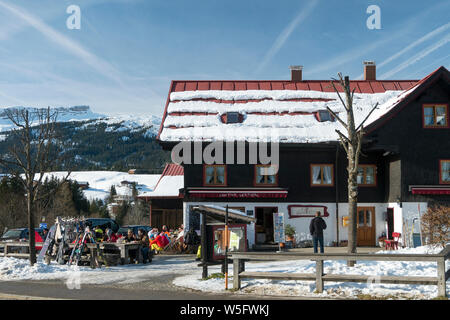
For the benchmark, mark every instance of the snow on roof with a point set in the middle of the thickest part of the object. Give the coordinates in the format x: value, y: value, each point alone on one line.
x: 169, y: 184
x: 268, y: 115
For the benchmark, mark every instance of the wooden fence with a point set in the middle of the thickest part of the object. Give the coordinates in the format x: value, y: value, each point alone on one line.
x: 320, y: 277
x: 21, y: 250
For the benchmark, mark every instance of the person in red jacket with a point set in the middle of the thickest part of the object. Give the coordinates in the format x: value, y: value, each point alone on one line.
x: 110, y: 236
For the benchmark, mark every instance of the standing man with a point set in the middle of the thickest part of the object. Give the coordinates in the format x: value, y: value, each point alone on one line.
x: 316, y: 228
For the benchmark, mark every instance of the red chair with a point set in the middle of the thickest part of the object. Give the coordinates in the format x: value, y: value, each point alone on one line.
x: 392, y: 244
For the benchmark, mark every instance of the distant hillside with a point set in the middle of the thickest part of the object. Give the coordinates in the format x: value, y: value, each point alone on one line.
x: 97, y: 142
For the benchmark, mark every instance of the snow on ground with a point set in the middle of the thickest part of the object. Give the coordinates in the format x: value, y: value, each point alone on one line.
x: 20, y: 269
x: 100, y: 182
x: 190, y: 276
x: 332, y: 289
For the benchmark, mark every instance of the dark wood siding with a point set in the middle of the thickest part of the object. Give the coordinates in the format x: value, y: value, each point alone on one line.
x: 419, y: 148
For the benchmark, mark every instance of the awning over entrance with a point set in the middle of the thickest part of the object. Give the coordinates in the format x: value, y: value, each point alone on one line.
x: 218, y: 213
x: 238, y: 193
x: 430, y: 189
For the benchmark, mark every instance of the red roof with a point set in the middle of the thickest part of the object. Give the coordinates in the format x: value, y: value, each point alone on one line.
x: 172, y: 169
x: 362, y: 86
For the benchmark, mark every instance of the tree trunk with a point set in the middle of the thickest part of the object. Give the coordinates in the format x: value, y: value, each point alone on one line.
x: 32, y: 238
x: 352, y: 214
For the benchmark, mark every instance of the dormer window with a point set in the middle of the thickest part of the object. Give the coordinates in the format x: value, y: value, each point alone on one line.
x: 232, y: 117
x: 324, y: 115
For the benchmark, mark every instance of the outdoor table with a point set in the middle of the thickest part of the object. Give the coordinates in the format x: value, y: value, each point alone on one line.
x: 125, y: 247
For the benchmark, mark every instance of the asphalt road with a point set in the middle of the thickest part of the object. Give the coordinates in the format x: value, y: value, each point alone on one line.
x: 58, y: 290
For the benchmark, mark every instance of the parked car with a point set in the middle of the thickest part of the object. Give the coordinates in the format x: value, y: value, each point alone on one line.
x: 124, y: 229
x: 102, y: 223
x: 23, y: 234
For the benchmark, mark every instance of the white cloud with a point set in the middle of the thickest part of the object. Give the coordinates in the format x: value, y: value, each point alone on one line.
x: 284, y: 35
x: 418, y: 56
x: 74, y: 48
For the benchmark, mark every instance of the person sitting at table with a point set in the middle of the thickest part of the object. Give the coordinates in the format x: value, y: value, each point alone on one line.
x: 109, y: 236
x: 131, y: 238
x: 98, y: 234
x: 143, y: 240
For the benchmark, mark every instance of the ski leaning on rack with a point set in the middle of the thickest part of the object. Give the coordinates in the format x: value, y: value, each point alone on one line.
x: 48, y: 240
x: 77, y: 251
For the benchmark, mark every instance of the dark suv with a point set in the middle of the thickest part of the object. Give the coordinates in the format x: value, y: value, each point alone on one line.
x: 124, y: 229
x: 102, y: 223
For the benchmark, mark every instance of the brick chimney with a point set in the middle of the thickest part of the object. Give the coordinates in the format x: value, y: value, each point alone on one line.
x: 370, y: 70
x: 296, y: 73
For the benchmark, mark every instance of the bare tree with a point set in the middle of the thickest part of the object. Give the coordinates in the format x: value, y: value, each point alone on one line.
x: 33, y: 153
x: 351, y: 142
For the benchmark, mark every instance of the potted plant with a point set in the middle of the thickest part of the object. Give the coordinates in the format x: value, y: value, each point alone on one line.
x: 381, y: 241
x: 289, y: 231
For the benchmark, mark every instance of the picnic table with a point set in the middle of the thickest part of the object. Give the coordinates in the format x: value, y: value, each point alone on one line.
x: 124, y: 249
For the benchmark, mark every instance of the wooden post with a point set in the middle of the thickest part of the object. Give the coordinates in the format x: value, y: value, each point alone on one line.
x: 236, y: 271
x: 6, y: 250
x: 441, y: 277
x: 319, y: 273
x: 93, y: 257
x: 226, y: 249
x: 139, y: 256
x: 203, y: 249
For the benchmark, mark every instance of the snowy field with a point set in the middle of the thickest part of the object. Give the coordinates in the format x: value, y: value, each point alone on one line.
x: 19, y: 269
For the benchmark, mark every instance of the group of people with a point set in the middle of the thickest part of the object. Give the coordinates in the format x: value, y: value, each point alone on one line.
x: 154, y: 241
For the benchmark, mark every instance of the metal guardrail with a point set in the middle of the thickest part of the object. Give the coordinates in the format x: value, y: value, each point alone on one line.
x: 320, y: 277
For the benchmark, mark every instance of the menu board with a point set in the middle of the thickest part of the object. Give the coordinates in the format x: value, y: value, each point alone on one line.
x: 278, y: 227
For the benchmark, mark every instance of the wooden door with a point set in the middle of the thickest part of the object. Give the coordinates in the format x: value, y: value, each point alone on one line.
x: 365, y: 219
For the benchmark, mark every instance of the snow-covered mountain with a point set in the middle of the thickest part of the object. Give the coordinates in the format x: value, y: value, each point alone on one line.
x: 84, y: 113
x: 101, y: 142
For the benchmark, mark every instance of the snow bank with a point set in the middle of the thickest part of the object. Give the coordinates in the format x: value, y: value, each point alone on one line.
x: 19, y: 269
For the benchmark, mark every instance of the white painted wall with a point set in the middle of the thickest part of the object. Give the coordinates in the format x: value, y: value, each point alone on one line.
x: 407, y: 212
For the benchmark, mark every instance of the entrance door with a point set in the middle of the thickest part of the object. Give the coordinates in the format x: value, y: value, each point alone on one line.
x: 264, y: 224
x: 390, y: 222
x: 366, y: 226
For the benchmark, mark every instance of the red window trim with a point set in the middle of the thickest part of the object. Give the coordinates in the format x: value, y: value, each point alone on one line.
x: 440, y: 171
x: 374, y: 178
x: 212, y: 184
x: 255, y: 184
x: 434, y: 126
x: 291, y: 216
x: 311, y: 175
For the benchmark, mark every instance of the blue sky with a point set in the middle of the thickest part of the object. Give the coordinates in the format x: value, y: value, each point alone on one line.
x: 127, y: 51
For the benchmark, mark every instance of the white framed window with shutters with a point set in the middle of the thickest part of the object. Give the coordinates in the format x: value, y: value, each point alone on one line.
x: 322, y: 175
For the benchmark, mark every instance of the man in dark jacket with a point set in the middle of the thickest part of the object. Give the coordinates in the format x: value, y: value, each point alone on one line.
x: 316, y: 228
